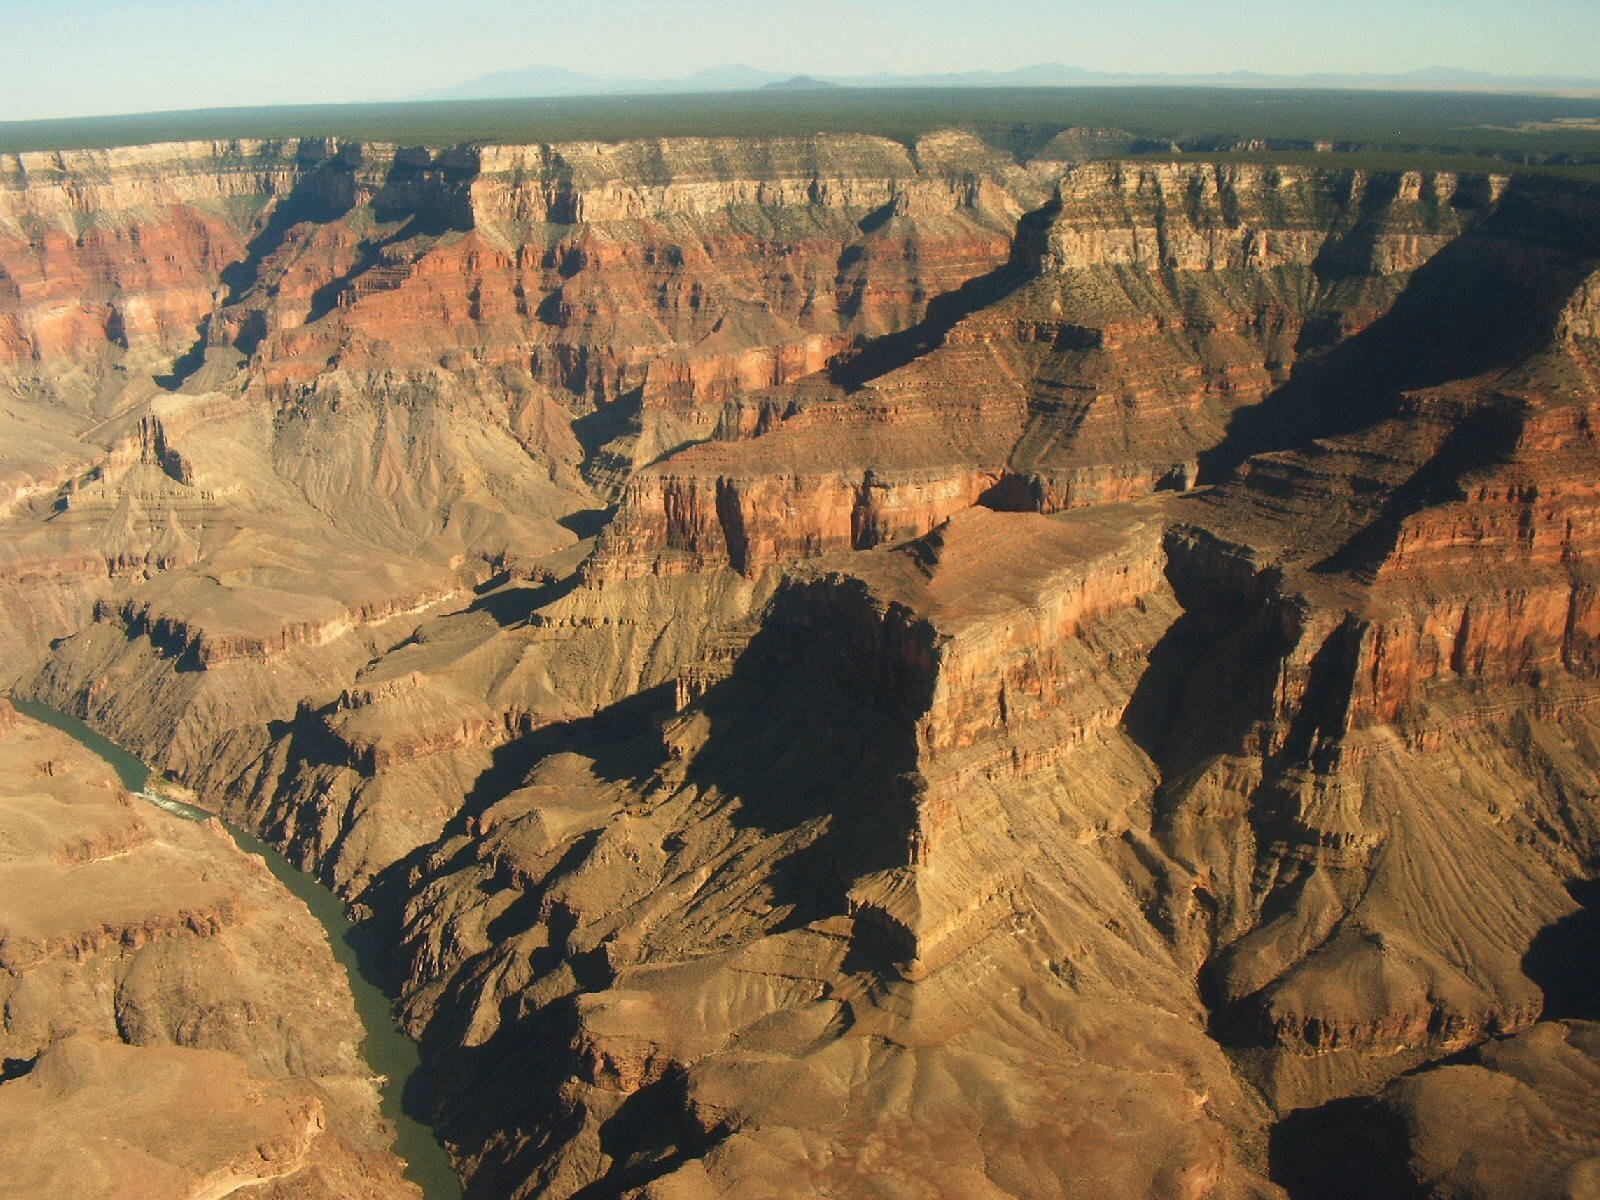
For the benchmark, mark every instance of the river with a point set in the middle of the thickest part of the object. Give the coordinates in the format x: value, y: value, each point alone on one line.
x: 386, y: 1050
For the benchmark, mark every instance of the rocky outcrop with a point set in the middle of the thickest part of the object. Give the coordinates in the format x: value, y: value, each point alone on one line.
x: 749, y: 524
x: 1511, y: 1123
x: 1416, y: 620
x: 870, y: 885
x: 831, y: 660
x: 208, y: 649
x: 1135, y: 313
x: 432, y: 322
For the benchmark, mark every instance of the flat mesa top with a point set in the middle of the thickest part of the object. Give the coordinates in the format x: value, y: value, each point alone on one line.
x: 1550, y: 131
x: 980, y: 562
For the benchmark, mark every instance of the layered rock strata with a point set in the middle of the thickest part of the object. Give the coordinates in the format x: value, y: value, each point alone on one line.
x: 1140, y: 308
x: 843, y: 666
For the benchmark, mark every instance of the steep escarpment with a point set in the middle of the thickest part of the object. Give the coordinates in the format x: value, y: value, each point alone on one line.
x: 1511, y: 1118
x: 1531, y: 1129
x: 365, y: 353
x: 1139, y: 309
x: 380, y: 377
x: 1402, y: 616
x: 835, y: 665
x: 719, y: 933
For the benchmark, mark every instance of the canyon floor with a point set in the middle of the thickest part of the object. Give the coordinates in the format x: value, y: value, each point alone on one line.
x: 832, y: 666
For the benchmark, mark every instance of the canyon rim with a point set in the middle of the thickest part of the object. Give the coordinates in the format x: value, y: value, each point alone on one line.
x: 830, y: 665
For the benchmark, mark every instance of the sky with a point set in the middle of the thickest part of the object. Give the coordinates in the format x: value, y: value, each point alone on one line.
x: 89, y: 57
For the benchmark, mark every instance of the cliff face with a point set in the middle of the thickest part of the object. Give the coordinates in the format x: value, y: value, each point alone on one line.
x: 830, y: 660
x: 1527, y: 1131
x: 1139, y: 309
x: 374, y: 352
x: 859, y: 883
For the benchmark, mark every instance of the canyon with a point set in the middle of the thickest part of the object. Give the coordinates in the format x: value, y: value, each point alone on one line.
x: 174, y: 1025
x: 832, y: 666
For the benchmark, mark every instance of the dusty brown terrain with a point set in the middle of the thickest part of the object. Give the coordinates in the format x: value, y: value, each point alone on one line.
x: 842, y: 668
x: 175, y: 1024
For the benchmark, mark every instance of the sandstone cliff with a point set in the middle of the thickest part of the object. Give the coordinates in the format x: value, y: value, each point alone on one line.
x: 840, y: 665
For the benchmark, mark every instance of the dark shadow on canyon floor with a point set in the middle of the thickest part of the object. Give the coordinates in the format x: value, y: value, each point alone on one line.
x: 881, y: 355
x: 324, y: 193
x: 1483, y: 439
x: 813, y: 737
x: 651, y: 1134
x: 1350, y: 1149
x: 513, y: 602
x: 1564, y: 959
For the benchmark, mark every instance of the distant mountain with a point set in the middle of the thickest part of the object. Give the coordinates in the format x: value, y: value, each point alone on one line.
x: 736, y: 77
x: 798, y: 83
x: 1038, y: 75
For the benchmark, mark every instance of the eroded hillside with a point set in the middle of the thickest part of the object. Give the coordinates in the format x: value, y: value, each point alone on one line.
x: 849, y: 668
x: 175, y: 1025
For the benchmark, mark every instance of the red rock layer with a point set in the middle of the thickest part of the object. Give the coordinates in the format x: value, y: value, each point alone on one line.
x: 996, y: 818
x: 1136, y: 312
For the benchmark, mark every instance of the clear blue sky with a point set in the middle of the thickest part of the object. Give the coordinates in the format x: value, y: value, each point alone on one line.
x: 79, y: 57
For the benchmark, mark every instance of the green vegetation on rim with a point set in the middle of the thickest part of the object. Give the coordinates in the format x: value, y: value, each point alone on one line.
x: 1441, y: 129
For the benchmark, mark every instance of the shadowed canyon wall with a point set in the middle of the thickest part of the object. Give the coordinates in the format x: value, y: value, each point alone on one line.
x: 843, y: 666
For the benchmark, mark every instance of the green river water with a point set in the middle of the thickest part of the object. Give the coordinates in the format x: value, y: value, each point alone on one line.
x: 386, y: 1050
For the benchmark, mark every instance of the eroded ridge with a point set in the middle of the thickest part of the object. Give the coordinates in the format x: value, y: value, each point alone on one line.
x: 843, y: 666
